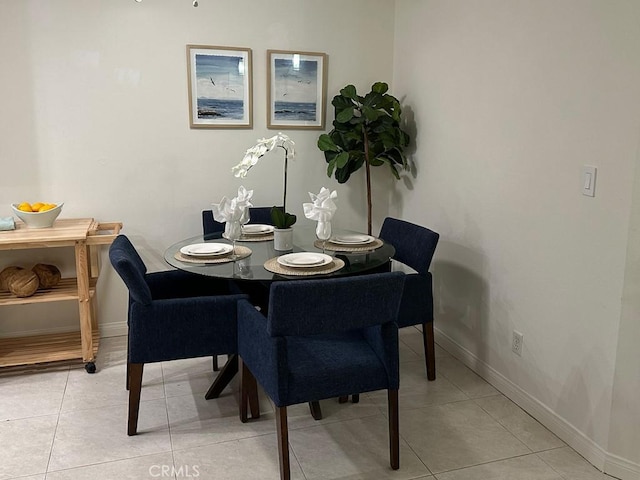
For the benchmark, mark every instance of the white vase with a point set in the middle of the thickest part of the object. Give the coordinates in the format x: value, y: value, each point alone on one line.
x: 283, y: 239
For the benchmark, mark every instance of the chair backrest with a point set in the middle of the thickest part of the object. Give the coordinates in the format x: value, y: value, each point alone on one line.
x: 310, y: 307
x: 261, y: 215
x: 415, y: 245
x: 131, y: 268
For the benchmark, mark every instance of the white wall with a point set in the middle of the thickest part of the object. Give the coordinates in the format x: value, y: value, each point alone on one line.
x: 95, y: 114
x: 510, y: 99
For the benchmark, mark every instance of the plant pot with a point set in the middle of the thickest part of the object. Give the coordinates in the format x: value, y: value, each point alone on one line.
x: 283, y: 239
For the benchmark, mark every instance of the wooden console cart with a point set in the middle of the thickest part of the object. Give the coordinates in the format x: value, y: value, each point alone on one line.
x: 86, y: 236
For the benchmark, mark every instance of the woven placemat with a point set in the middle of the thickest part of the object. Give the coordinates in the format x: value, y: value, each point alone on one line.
x: 335, y: 247
x: 256, y: 238
x: 273, y: 266
x: 241, y: 252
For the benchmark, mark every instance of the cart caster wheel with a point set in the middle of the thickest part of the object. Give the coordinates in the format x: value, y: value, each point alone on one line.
x: 90, y: 367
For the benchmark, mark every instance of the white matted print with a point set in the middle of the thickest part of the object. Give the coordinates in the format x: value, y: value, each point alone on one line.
x: 220, y: 87
x: 296, y: 89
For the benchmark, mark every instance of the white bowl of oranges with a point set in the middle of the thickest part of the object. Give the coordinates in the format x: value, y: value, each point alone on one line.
x: 37, y: 215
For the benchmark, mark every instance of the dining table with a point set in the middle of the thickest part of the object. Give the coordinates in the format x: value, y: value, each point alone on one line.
x: 254, y: 264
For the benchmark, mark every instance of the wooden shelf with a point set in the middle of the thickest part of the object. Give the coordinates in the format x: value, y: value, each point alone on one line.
x: 53, y: 347
x: 67, y: 289
x: 86, y: 236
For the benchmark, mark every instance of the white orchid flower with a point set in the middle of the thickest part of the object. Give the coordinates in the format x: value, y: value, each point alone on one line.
x: 264, y: 145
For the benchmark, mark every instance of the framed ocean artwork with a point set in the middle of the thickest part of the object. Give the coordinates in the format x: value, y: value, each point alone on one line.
x: 296, y: 89
x: 220, y: 87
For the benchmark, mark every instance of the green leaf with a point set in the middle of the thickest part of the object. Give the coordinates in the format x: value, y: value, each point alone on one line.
x: 342, y: 159
x: 345, y: 115
x: 325, y: 143
x: 350, y: 92
x: 330, y: 168
x: 282, y: 219
x: 380, y: 87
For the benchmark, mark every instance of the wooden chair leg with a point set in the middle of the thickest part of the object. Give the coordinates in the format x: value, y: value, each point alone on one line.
x: 248, y: 393
x: 394, y: 429
x: 135, y: 387
x: 316, y: 411
x: 429, y: 350
x: 343, y: 399
x: 215, y: 363
x: 283, y: 442
x: 355, y: 398
x: 224, y: 377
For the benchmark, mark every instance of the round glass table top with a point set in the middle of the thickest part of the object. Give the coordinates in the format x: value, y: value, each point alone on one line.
x: 252, y: 267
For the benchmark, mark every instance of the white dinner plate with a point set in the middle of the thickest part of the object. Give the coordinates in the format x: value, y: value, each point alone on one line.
x: 304, y: 259
x: 206, y: 249
x: 352, y: 239
x: 257, y: 229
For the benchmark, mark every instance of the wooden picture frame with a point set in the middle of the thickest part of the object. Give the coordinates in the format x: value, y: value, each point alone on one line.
x: 220, y: 87
x: 296, y: 89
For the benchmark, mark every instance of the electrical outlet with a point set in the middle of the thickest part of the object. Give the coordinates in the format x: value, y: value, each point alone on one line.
x: 518, y: 340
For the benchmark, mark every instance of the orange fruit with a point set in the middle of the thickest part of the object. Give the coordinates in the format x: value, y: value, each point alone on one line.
x: 25, y: 207
x: 37, y: 206
x: 46, y: 206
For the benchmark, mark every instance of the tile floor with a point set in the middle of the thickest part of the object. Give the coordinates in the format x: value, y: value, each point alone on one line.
x: 64, y: 424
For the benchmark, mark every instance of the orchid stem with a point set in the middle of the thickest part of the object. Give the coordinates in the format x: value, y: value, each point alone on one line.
x: 284, y: 200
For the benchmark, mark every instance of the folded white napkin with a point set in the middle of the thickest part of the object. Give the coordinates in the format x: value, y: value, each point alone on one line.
x: 234, y: 213
x: 321, y: 210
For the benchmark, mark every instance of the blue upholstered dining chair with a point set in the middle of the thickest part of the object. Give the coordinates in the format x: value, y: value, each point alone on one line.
x: 415, y: 246
x: 257, y: 215
x: 322, y: 338
x: 171, y: 315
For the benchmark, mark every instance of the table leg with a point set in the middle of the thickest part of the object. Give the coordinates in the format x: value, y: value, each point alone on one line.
x: 224, y: 377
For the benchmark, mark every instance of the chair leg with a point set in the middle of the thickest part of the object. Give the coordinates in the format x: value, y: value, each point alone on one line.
x: 135, y: 387
x: 429, y: 350
x: 283, y: 442
x: 316, y: 411
x: 215, y: 363
x: 394, y: 429
x: 224, y: 377
x: 248, y: 393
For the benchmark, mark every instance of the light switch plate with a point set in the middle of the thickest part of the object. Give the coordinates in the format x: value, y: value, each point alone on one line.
x: 589, y: 180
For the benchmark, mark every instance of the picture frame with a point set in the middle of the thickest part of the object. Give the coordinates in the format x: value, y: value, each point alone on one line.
x: 220, y: 87
x: 296, y: 89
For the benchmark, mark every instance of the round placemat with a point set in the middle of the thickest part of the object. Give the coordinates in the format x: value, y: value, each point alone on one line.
x: 273, y: 266
x: 335, y: 247
x: 256, y: 238
x: 241, y: 252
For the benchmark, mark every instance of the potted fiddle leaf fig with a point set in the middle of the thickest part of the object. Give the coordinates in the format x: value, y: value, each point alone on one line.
x: 366, y: 131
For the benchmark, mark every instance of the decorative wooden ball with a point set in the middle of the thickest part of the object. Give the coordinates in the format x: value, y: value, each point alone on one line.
x: 48, y: 275
x: 24, y: 283
x: 5, y: 277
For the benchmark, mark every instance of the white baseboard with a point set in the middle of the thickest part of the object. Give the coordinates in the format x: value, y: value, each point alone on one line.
x: 114, y: 329
x: 596, y: 455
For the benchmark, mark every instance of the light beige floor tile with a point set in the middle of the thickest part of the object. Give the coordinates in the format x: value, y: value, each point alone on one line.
x: 407, y: 354
x: 299, y: 416
x: 527, y: 429
x: 528, y: 467
x: 107, y: 387
x: 30, y: 477
x: 353, y: 449
x: 32, y: 394
x: 412, y: 337
x: 570, y: 465
x: 87, y: 437
x: 147, y: 467
x: 457, y: 435
x: 417, y: 392
x: 26, y: 445
x: 195, y: 421
x: 464, y: 378
x: 112, y: 352
x: 246, y: 459
x: 189, y: 376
